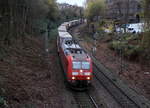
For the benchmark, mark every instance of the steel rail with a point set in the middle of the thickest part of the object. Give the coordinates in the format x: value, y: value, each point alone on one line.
x: 94, y: 103
x: 121, y: 98
x: 120, y: 92
x: 84, y: 100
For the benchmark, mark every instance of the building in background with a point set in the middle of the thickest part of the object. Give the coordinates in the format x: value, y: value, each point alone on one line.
x: 70, y: 12
x: 128, y: 10
x: 63, y: 6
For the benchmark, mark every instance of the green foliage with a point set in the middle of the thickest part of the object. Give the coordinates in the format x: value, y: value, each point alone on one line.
x: 128, y: 50
x: 130, y: 37
x: 146, y: 39
x: 95, y: 9
x: 146, y: 6
x: 146, y: 43
x: 2, y: 102
x: 102, y: 23
x: 53, y: 13
x: 3, y: 53
x: 132, y: 50
x: 117, y: 45
x: 125, y: 45
x: 146, y: 36
x: 68, y: 14
x: 19, y: 17
x: 53, y: 34
x: 71, y: 13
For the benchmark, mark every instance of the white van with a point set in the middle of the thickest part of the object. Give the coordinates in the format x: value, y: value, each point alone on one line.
x: 132, y: 28
x: 135, y: 28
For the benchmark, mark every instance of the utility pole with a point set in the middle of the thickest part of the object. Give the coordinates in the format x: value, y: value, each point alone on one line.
x: 46, y: 37
x: 95, y: 43
x: 121, y: 58
x: 46, y: 42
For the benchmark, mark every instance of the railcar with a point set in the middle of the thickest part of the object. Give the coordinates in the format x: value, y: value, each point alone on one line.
x: 73, y: 23
x: 63, y: 36
x: 62, y: 28
x: 66, y: 24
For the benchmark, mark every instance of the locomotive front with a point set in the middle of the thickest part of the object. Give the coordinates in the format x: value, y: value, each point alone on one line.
x: 80, y: 69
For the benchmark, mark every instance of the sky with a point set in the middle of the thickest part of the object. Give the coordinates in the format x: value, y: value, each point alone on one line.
x: 72, y: 2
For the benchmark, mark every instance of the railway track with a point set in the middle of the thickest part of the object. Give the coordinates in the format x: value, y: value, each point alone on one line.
x: 122, y: 99
x: 84, y: 100
x: 122, y: 94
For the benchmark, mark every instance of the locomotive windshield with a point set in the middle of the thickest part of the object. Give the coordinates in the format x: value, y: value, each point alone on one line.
x: 81, y: 65
x: 76, y: 65
x: 85, y: 65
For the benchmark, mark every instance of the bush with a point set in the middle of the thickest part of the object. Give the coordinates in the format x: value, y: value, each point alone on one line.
x: 130, y: 37
x: 3, y: 53
x: 53, y: 34
x: 128, y: 50
x: 132, y: 51
x: 2, y: 102
x: 117, y: 45
x: 102, y: 23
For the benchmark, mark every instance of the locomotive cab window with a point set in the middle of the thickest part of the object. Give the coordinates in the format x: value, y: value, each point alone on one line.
x: 76, y: 65
x: 85, y: 65
x: 81, y: 65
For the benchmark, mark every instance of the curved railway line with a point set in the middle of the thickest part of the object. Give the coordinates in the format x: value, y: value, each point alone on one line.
x: 122, y: 94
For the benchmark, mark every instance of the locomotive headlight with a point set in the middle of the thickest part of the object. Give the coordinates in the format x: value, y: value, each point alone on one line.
x: 87, y: 73
x: 81, y: 71
x: 73, y: 78
x: 88, y: 78
x: 75, y: 73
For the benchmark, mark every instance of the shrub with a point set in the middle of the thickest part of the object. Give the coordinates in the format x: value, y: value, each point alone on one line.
x: 128, y: 50
x: 2, y: 102
x: 117, y: 45
x: 130, y: 37
x: 132, y: 51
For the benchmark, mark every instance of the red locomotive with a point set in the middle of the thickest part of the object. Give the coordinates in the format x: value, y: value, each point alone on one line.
x: 76, y: 62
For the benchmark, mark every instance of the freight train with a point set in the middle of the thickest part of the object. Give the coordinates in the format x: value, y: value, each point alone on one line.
x: 76, y: 63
